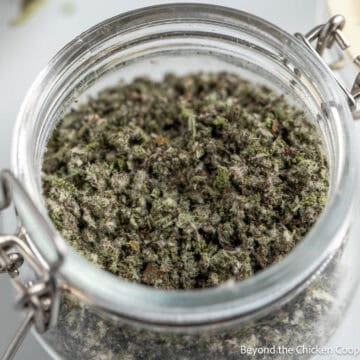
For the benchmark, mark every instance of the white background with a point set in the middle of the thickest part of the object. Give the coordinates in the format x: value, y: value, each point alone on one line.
x: 25, y: 50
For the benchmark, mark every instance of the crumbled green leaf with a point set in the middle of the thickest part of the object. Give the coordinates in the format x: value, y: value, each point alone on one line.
x: 185, y: 182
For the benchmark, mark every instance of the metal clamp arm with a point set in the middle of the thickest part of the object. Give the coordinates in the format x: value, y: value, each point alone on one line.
x: 326, y: 36
x: 38, y: 297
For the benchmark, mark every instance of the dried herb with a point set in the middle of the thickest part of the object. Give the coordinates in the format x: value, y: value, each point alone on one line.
x: 68, y: 8
x: 28, y: 8
x: 185, y: 182
x: 307, y: 321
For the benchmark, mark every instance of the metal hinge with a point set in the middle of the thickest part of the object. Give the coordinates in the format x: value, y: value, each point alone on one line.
x: 326, y: 35
x: 39, y: 297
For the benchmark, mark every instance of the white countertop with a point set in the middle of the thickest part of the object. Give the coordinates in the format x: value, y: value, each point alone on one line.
x: 25, y: 50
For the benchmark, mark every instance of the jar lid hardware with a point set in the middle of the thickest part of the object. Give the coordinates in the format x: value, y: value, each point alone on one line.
x: 40, y: 297
x: 326, y: 35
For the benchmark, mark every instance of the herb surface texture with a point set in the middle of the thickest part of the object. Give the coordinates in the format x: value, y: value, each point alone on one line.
x: 185, y: 182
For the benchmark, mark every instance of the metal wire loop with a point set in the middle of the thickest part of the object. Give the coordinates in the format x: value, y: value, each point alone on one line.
x: 326, y: 35
x: 38, y: 297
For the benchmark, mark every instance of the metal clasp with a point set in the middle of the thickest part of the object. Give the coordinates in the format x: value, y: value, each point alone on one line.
x: 326, y: 35
x: 39, y: 297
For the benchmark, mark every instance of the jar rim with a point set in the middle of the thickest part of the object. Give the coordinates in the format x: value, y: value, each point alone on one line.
x: 189, y: 308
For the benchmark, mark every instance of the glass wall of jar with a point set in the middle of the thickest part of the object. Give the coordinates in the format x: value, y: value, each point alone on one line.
x: 295, y: 304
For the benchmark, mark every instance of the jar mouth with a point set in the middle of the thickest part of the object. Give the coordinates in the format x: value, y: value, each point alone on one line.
x: 230, y: 301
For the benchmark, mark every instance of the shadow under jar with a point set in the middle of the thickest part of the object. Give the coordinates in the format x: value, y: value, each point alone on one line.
x: 296, y: 303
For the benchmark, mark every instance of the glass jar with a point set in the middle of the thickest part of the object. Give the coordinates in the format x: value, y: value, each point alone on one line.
x: 285, y: 311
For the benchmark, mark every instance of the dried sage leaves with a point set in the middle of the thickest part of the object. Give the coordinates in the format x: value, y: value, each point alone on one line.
x: 186, y: 182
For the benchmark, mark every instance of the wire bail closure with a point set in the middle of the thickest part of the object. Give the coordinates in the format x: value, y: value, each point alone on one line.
x: 38, y: 297
x: 326, y: 36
